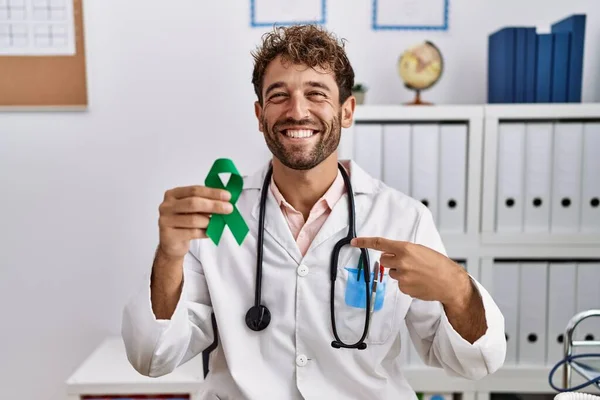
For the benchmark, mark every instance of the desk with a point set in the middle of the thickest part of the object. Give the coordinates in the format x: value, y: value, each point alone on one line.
x: 108, y: 372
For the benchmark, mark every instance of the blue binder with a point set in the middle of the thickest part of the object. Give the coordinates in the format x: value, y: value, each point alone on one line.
x: 530, y: 64
x: 524, y: 65
x: 560, y: 67
x: 575, y: 25
x: 543, y: 81
x: 501, y: 66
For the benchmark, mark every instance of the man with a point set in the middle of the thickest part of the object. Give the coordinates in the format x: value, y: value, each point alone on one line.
x: 303, y: 82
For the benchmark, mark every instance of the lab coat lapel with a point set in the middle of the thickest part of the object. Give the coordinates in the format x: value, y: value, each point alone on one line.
x: 338, y: 219
x: 275, y: 223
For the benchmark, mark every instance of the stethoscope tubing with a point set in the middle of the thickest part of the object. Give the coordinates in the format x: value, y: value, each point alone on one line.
x: 258, y: 316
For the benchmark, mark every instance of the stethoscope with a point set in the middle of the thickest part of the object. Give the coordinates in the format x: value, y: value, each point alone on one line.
x: 258, y: 316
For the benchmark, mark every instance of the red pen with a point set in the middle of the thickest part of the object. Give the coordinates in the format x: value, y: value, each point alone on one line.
x: 381, y: 272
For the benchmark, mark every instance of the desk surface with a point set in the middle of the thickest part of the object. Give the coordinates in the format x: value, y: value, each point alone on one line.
x: 107, y: 369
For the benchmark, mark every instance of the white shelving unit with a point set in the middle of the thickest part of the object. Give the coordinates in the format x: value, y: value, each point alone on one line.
x: 479, y: 245
x: 495, y: 115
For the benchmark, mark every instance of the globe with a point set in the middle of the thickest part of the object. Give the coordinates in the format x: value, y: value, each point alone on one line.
x: 420, y: 67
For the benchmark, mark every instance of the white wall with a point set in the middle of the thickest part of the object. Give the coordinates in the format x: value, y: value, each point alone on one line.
x: 170, y: 90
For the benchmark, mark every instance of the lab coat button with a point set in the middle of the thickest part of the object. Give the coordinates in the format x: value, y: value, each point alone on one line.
x: 302, y: 270
x: 301, y: 360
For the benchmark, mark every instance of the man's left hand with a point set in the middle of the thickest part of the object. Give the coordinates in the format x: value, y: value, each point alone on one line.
x: 421, y: 272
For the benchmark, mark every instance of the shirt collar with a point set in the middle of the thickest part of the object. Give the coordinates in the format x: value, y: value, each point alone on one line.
x: 330, y: 197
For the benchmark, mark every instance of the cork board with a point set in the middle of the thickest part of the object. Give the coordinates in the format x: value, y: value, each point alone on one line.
x: 47, y: 81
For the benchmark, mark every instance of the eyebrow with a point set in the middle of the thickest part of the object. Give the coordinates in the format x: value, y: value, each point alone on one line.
x: 281, y: 84
x: 319, y: 85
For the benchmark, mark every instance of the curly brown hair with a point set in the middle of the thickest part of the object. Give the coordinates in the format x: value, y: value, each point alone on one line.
x: 310, y: 45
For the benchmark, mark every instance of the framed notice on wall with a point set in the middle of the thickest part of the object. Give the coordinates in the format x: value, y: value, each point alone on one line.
x: 42, y: 54
x: 410, y: 14
x: 268, y: 13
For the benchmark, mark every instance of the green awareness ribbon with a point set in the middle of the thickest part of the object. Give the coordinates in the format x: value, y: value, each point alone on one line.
x: 234, y: 220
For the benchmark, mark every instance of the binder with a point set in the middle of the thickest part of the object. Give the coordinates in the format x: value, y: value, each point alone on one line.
x: 367, y: 148
x: 425, y: 165
x: 397, y: 156
x: 561, y: 307
x: 545, y: 51
x: 538, y: 177
x: 560, y: 66
x: 575, y: 26
x: 590, y: 180
x: 530, y: 64
x: 508, y: 44
x: 453, y: 178
x: 505, y: 280
x: 532, y: 313
x: 501, y: 61
x: 588, y: 298
x: 566, y: 179
x: 509, y: 200
x: 524, y: 64
x: 520, y: 60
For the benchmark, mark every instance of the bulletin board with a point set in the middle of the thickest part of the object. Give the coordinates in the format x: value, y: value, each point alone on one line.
x: 48, y: 76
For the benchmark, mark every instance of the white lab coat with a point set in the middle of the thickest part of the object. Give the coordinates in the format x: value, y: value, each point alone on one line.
x: 293, y: 358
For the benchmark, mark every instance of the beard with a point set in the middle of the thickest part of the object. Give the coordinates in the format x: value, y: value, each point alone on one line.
x: 299, y: 156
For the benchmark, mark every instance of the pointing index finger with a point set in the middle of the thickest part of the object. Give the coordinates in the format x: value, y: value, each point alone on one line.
x: 375, y: 243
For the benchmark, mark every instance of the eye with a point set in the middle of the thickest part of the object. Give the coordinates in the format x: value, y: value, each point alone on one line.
x: 275, y: 95
x: 316, y: 94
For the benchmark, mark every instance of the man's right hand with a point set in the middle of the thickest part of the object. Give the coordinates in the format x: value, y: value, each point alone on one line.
x: 184, y: 215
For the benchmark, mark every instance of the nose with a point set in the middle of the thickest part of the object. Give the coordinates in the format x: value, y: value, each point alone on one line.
x: 298, y: 107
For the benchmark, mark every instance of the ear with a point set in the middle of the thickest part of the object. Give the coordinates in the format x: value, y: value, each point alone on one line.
x: 348, y: 112
x: 258, y: 113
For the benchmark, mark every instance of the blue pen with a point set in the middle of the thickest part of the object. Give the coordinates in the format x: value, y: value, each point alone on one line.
x: 360, y: 267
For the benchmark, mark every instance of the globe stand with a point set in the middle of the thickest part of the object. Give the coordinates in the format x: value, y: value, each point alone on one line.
x: 417, y: 101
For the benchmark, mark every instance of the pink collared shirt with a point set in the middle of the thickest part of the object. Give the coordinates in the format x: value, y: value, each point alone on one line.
x: 305, y: 231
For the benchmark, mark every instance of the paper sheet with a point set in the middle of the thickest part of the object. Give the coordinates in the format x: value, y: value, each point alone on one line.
x: 37, y: 27
x: 409, y: 14
x: 283, y: 12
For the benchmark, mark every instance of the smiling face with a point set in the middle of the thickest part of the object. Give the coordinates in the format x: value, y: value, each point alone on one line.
x: 301, y: 117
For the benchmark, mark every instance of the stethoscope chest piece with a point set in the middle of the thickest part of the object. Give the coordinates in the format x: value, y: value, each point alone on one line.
x: 258, y: 317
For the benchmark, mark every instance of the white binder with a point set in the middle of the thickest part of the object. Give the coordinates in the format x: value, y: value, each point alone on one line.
x: 453, y: 178
x: 590, y: 190
x: 561, y: 307
x: 425, y: 160
x: 538, y: 177
x: 566, y: 179
x: 509, y: 200
x: 588, y: 298
x: 367, y: 148
x: 505, y: 281
x: 396, y: 156
x: 532, y: 313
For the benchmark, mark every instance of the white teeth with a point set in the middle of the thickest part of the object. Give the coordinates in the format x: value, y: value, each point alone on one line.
x: 299, y: 133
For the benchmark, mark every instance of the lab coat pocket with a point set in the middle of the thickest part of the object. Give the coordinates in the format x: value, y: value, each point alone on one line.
x: 352, y: 309
x: 356, y: 290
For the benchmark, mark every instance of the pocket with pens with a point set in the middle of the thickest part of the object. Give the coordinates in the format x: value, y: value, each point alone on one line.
x: 356, y: 291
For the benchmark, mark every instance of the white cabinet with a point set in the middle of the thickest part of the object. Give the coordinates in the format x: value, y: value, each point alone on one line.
x: 107, y: 373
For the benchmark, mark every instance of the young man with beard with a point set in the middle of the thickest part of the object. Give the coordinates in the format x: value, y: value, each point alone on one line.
x: 283, y: 345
